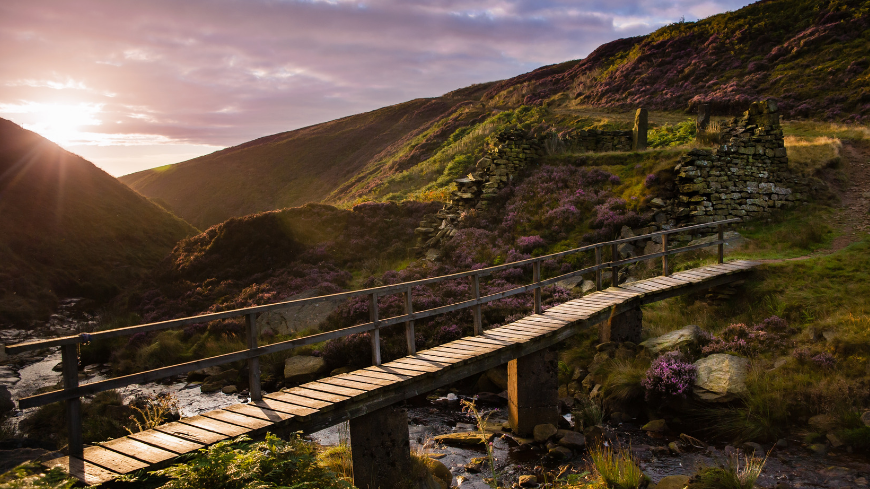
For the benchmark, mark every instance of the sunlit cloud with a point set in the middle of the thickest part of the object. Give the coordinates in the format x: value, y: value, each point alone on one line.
x: 213, y: 73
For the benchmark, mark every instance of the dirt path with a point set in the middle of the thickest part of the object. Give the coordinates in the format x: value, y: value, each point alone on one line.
x: 852, y: 217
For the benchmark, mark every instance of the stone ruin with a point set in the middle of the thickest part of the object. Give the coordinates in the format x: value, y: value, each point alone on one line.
x: 746, y: 177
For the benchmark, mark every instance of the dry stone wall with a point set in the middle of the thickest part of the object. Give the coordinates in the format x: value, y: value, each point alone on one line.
x: 746, y: 177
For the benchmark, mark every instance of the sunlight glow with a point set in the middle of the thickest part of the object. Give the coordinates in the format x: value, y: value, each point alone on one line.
x: 61, y: 123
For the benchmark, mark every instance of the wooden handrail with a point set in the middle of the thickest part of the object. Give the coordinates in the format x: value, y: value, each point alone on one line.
x: 72, y: 392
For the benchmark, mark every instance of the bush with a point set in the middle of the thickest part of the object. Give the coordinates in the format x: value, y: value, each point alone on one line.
x: 241, y: 464
x: 32, y: 475
x: 617, y: 468
x: 729, y: 476
x: 669, y: 375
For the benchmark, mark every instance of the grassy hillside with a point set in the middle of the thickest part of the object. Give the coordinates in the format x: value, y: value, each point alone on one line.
x: 810, y: 56
x: 68, y: 228
x: 292, y: 168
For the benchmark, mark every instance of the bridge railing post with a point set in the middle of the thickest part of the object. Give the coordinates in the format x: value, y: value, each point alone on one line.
x: 598, y: 270
x: 536, y: 277
x: 70, y: 364
x: 721, y: 230
x: 665, y: 268
x: 614, y: 270
x: 376, y: 333
x: 476, y: 310
x: 410, y: 339
x: 253, y: 363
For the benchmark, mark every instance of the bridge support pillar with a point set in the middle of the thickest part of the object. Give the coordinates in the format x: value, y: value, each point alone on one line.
x: 380, y: 449
x: 622, y: 327
x: 533, y: 392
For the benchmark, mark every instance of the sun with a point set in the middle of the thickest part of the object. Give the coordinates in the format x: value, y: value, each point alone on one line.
x: 63, y: 123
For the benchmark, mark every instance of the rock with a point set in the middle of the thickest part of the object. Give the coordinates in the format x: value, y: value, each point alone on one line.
x: 733, y: 241
x: 466, y: 438
x: 498, y: 376
x: 835, y: 442
x: 293, y: 319
x: 6, y: 403
x: 570, y: 283
x: 560, y: 453
x: 782, y: 443
x: 626, y: 250
x: 673, y: 482
x: 211, y: 387
x: 781, y: 362
x: 528, y: 481
x: 657, y: 202
x: 721, y: 377
x: 222, y: 378
x: 656, y: 426
x: 626, y: 232
x: 594, y: 435
x: 753, y: 449
x: 441, y: 472
x: 823, y: 423
x: 865, y: 418
x: 303, y: 368
x: 674, y: 448
x: 543, y: 432
x: 572, y: 440
x: 819, y: 449
x: 674, y: 340
x: 433, y: 254
x: 596, y: 392
x: 230, y: 389
x: 490, y: 399
x: 202, y: 374
x: 587, y: 286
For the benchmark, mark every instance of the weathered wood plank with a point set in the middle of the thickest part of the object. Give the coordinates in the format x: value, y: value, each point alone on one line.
x: 264, y: 410
x: 136, y: 449
x: 334, y: 389
x: 192, y: 433
x: 227, y: 429
x: 343, y: 381
x: 166, y: 441
x: 368, y: 379
x: 396, y: 370
x: 250, y: 422
x: 111, y: 460
x: 86, y: 472
x: 310, y: 398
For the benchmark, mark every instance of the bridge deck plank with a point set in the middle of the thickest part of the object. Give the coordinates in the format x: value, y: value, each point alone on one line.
x: 192, y: 433
x: 112, y: 460
x: 258, y: 410
x: 231, y: 417
x: 355, y: 383
x: 136, y: 449
x: 335, y: 389
x: 166, y: 441
x: 229, y: 430
x: 295, y: 400
x: 86, y: 472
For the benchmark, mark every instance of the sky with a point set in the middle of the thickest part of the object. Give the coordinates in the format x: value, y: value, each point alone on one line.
x: 132, y: 84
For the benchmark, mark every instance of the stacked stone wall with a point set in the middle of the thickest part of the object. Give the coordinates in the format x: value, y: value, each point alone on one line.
x: 746, y: 177
x: 598, y: 141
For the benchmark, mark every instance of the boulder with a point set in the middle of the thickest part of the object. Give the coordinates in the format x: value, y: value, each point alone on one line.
x: 303, y: 368
x: 866, y: 418
x: 6, y: 403
x: 834, y: 440
x: 229, y: 389
x: 721, y: 377
x: 466, y: 438
x: 587, y: 286
x: 656, y: 426
x: 560, y: 453
x: 498, y: 376
x: 211, y: 387
x: 441, y: 472
x: 822, y: 423
x: 572, y: 440
x: 543, y: 432
x: 528, y: 481
x: 673, y: 482
x: 681, y: 338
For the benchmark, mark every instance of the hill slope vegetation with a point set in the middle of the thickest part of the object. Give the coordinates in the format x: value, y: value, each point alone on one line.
x: 810, y: 56
x: 68, y: 228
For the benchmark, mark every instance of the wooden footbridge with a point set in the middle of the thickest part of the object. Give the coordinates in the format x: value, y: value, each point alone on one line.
x: 379, y: 432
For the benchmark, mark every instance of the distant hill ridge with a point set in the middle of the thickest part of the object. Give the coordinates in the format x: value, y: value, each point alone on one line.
x: 812, y: 57
x: 68, y: 228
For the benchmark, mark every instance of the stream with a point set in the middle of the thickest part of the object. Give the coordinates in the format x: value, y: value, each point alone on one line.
x: 789, y: 466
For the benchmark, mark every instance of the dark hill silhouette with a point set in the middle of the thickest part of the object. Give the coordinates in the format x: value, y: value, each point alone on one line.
x: 68, y: 228
x: 809, y: 56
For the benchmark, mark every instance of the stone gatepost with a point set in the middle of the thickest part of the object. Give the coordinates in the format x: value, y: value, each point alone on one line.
x: 641, y: 125
x: 380, y: 449
x: 622, y: 327
x: 533, y: 392
x: 703, y: 118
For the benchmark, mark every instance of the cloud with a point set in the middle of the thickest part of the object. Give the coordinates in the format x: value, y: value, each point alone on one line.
x: 221, y: 72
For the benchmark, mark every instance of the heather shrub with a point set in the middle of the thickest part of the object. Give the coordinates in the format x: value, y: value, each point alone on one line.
x: 669, y: 375
x: 768, y: 335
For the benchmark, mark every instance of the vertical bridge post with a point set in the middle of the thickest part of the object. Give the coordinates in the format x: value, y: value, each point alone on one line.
x: 253, y: 363
x: 598, y: 270
x: 70, y: 364
x: 533, y: 392
x: 376, y: 333
x: 639, y: 135
x: 665, y: 268
x: 614, y: 270
x: 721, y: 244
x: 536, y: 277
x: 410, y: 338
x: 478, y: 319
x: 380, y: 449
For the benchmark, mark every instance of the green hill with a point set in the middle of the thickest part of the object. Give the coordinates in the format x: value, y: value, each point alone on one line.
x: 809, y: 56
x: 70, y: 229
